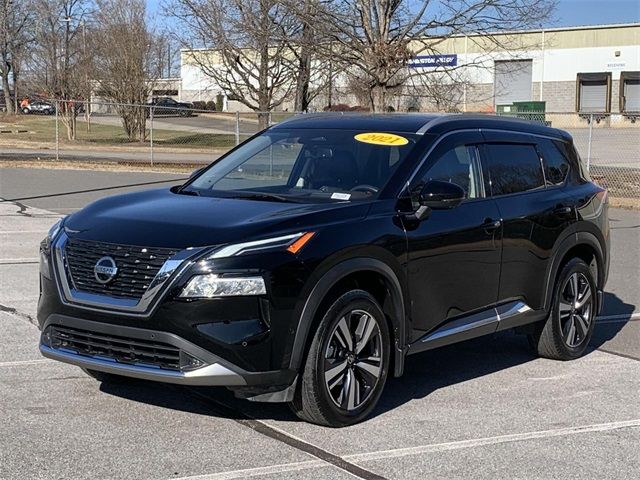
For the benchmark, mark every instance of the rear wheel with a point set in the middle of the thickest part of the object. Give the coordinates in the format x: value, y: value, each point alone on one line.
x: 347, y: 365
x: 566, y: 333
x: 25, y: 111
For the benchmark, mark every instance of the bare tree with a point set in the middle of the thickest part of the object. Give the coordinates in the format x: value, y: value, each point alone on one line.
x: 375, y: 39
x: 126, y: 69
x: 57, y: 56
x: 312, y: 67
x: 244, y: 53
x: 15, y: 34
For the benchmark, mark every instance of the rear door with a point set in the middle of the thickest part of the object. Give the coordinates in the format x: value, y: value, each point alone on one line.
x: 535, y: 211
x: 454, y: 254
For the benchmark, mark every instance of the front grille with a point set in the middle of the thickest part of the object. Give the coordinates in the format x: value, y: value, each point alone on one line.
x: 120, y: 349
x: 137, y: 266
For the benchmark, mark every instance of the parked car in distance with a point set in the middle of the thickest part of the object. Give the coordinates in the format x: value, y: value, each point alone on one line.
x: 39, y: 107
x: 305, y: 265
x: 168, y: 106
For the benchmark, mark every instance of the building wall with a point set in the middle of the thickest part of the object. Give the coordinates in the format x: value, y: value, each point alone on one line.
x: 557, y: 55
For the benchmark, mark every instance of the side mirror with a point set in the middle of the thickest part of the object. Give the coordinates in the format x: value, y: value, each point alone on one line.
x: 436, y: 195
x: 441, y: 195
x: 197, y: 172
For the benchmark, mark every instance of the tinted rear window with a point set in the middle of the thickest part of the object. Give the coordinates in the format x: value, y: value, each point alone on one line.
x: 556, y: 165
x: 513, y: 168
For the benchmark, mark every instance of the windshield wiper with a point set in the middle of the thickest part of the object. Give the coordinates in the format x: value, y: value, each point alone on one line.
x: 261, y: 196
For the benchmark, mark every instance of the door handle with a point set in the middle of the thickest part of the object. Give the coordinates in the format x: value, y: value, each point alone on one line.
x: 491, y: 224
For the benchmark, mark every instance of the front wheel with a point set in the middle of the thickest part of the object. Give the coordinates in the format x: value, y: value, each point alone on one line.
x: 347, y: 365
x: 567, y: 331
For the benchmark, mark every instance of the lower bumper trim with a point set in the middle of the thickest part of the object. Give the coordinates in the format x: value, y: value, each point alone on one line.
x: 210, y: 375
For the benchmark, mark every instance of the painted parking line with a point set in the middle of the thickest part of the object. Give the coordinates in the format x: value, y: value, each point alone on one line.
x: 499, y: 439
x: 22, y: 363
x: 19, y: 260
x: 622, y: 318
x: 432, y: 448
x: 260, y: 471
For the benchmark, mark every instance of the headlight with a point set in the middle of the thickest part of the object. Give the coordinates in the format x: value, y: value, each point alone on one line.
x: 211, y: 285
x: 55, y: 228
x: 45, y: 248
x: 291, y: 243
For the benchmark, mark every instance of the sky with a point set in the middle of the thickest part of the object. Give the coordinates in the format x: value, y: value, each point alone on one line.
x: 596, y: 12
x: 569, y: 12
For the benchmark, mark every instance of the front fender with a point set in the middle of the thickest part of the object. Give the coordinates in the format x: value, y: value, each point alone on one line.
x: 327, y: 281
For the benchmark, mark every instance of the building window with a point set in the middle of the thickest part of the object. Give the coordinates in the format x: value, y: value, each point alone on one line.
x: 593, y: 92
x: 630, y: 92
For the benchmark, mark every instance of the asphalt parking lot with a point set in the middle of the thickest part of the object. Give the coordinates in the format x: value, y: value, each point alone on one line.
x: 486, y: 408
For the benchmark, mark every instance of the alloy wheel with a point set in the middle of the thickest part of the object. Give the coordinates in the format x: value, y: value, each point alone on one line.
x: 353, y: 360
x: 575, y: 309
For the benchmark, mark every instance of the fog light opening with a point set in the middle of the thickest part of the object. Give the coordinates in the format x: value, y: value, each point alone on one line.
x: 189, y: 362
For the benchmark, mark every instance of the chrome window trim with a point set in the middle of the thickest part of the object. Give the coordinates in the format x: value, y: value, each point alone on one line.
x: 170, y: 271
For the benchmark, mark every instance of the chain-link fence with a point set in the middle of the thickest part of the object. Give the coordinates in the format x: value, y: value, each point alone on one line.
x: 609, y: 145
x: 176, y: 134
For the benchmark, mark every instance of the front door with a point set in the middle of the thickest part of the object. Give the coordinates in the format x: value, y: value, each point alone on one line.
x: 454, y: 255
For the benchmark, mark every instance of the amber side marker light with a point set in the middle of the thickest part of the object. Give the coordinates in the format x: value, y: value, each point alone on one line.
x: 301, y: 242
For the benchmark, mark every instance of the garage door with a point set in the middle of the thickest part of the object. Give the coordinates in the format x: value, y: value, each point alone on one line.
x: 512, y: 81
x: 593, y: 96
x: 631, y: 91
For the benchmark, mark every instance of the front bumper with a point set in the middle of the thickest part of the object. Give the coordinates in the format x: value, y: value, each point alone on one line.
x: 215, y: 374
x: 103, y: 347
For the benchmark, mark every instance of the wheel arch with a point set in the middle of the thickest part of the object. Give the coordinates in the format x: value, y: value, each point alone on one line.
x: 369, y: 274
x: 583, y: 245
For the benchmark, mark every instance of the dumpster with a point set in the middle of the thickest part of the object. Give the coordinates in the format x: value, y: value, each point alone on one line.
x: 534, y: 111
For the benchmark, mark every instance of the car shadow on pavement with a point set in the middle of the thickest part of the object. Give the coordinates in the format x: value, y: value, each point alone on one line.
x: 607, y: 329
x: 424, y: 373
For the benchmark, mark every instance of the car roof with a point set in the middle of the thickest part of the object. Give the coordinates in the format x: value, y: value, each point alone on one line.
x: 418, y: 123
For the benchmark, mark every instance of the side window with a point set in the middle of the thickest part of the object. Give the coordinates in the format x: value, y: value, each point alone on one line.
x: 513, y: 168
x: 458, y: 166
x: 556, y: 165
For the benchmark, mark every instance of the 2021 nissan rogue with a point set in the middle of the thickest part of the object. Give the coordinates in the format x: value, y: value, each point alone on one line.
x: 307, y: 263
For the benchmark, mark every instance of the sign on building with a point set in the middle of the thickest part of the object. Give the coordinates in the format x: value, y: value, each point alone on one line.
x: 432, y: 61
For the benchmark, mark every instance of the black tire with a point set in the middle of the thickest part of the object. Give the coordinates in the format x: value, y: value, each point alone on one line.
x: 25, y: 111
x: 554, y: 338
x: 104, y: 377
x: 315, y: 401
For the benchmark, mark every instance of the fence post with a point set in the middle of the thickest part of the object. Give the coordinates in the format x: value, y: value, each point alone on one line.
x: 57, y: 107
x: 589, y: 144
x: 151, y: 132
x: 237, y: 128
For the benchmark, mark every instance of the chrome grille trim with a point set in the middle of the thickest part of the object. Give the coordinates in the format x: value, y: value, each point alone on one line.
x: 171, y: 269
x: 137, y: 267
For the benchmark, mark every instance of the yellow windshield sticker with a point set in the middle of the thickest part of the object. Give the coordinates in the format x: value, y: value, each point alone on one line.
x: 377, y: 138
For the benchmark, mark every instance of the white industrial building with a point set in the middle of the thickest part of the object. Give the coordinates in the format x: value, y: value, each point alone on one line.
x: 591, y: 69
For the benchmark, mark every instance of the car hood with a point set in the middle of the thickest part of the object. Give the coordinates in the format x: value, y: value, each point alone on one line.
x: 161, y: 218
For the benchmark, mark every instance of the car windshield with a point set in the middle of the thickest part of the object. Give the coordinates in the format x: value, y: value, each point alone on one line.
x: 306, y: 165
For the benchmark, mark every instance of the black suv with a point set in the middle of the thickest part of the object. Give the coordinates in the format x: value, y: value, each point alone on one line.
x: 305, y: 264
